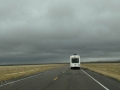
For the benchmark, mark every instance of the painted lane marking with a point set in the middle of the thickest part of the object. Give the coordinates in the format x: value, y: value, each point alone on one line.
x: 65, y: 71
x: 55, y: 78
x: 24, y: 78
x: 28, y: 77
x: 96, y: 80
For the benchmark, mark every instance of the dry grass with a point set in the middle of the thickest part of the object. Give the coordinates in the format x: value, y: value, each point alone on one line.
x: 10, y: 72
x: 108, y: 69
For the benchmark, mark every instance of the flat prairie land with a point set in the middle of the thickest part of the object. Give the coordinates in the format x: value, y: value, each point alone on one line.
x: 107, y: 69
x: 10, y: 72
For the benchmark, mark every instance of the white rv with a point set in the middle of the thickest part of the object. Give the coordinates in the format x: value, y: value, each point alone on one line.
x: 75, y: 61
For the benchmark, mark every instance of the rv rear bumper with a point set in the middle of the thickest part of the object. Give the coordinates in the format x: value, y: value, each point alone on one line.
x: 75, y: 65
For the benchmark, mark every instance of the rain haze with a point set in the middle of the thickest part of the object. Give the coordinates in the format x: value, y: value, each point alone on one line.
x: 49, y: 31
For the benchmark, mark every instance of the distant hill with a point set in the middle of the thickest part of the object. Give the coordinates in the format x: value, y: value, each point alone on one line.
x: 116, y: 61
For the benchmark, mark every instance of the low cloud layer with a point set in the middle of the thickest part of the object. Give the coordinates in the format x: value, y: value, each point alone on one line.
x: 50, y: 31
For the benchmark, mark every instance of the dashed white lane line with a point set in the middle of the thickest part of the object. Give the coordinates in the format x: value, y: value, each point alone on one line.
x: 96, y: 80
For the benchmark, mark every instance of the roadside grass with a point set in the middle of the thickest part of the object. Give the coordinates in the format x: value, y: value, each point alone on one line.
x: 10, y: 72
x: 107, y: 69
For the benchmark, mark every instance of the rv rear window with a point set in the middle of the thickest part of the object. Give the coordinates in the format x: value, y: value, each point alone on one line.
x: 75, y: 60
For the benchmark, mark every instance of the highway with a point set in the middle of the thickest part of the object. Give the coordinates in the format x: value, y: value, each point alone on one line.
x: 63, y: 79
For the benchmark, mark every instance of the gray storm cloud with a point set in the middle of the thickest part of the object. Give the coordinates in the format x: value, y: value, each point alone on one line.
x: 50, y: 31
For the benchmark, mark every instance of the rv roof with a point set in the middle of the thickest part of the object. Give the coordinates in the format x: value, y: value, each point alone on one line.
x: 75, y: 56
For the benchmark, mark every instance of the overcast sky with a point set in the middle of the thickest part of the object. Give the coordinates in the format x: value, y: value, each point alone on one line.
x: 35, y: 31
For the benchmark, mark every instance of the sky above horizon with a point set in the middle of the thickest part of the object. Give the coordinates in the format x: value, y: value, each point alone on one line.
x: 35, y: 31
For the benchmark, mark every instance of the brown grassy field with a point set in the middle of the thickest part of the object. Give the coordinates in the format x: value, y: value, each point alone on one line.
x: 107, y: 69
x: 10, y: 72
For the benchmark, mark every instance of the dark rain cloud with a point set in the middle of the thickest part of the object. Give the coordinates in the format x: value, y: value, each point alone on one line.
x: 50, y: 31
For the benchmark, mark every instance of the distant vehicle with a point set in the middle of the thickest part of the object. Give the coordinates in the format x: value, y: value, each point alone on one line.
x: 75, y: 61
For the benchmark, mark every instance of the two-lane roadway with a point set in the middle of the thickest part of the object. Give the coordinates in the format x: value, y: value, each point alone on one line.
x: 64, y: 79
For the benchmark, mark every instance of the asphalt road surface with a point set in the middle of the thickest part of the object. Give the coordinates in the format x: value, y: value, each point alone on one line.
x: 63, y: 79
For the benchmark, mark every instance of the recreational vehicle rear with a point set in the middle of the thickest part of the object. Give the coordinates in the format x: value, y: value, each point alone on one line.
x: 75, y: 61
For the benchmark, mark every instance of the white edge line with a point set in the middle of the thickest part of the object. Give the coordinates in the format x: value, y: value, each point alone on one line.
x: 27, y: 77
x: 96, y: 80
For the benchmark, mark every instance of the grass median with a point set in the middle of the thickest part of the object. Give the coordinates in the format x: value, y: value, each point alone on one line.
x: 107, y: 69
x: 10, y: 72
